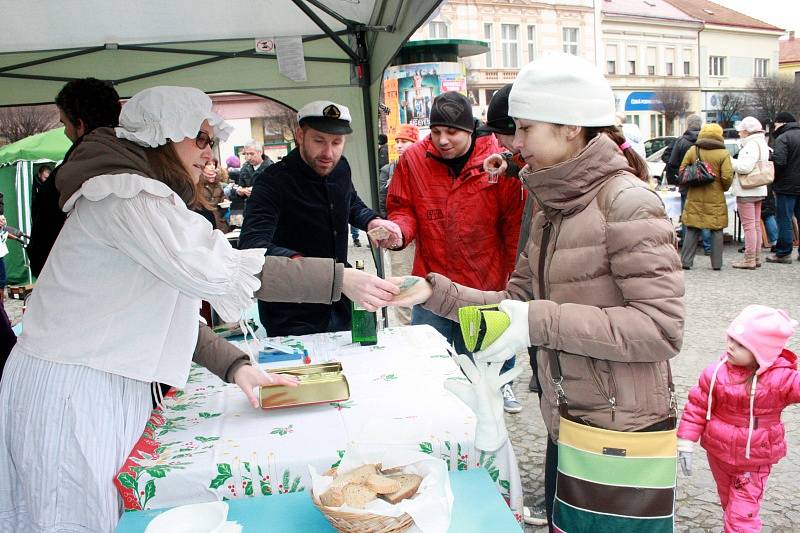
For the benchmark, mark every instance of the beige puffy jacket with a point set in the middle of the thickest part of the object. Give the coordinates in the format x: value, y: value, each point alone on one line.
x: 602, y: 266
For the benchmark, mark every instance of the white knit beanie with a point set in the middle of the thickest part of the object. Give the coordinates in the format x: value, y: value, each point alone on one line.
x: 562, y: 89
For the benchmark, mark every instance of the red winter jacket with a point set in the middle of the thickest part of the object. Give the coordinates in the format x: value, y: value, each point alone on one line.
x: 465, y: 227
x: 724, y: 429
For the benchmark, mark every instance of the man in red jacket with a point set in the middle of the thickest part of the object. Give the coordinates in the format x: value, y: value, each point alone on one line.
x: 464, y: 226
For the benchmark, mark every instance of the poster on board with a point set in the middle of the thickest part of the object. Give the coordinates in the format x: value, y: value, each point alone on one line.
x: 409, y: 90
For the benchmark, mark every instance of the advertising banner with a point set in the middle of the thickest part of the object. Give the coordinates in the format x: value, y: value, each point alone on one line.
x: 409, y: 90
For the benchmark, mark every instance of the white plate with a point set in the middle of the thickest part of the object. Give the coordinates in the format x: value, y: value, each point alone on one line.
x: 225, y: 204
x: 196, y: 518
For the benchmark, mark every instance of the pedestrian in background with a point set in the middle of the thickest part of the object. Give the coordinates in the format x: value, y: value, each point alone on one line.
x: 748, y: 201
x: 786, y: 157
x: 674, y: 155
x: 401, y: 261
x: 735, y: 412
x: 706, y: 207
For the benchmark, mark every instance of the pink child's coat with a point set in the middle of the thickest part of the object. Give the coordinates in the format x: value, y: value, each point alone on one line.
x: 724, y: 436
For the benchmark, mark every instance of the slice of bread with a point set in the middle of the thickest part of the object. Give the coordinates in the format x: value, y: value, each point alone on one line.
x: 382, y: 484
x: 357, y: 495
x: 332, y: 497
x: 409, y: 484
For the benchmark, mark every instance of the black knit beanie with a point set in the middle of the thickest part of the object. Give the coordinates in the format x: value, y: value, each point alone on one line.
x: 497, y: 119
x: 785, y: 116
x: 453, y: 110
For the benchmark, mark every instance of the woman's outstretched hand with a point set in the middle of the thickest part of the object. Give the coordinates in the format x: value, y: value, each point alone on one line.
x: 413, y: 290
x: 249, y: 377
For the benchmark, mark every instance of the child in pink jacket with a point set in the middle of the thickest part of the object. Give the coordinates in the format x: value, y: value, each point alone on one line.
x: 735, y: 411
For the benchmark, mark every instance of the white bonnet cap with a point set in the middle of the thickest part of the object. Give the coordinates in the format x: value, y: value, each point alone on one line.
x: 750, y: 125
x: 562, y: 89
x: 155, y: 115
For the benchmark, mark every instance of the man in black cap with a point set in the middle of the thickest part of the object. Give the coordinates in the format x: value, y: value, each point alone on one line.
x: 508, y: 163
x: 786, y: 156
x: 465, y: 226
x: 300, y: 207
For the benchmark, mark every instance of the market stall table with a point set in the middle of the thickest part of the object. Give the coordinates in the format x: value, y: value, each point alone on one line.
x: 477, y: 508
x: 672, y: 203
x: 209, y: 444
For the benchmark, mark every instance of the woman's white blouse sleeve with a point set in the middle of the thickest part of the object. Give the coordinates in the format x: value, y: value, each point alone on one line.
x: 180, y: 247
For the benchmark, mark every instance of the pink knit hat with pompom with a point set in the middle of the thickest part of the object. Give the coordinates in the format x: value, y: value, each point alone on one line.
x: 764, y: 331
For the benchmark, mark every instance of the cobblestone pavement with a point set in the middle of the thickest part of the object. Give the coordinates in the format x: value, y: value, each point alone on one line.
x: 712, y: 300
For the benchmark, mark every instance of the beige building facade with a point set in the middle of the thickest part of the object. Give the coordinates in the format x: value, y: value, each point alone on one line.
x: 649, y: 48
x: 517, y: 31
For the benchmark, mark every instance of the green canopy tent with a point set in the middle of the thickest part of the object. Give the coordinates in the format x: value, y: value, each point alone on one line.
x: 19, y: 163
x: 217, y: 47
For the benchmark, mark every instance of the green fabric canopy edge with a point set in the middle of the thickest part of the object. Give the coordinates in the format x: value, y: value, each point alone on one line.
x: 50, y: 145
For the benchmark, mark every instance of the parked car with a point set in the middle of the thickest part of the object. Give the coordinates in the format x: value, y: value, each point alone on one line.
x: 657, y: 143
x: 733, y: 146
x: 655, y: 165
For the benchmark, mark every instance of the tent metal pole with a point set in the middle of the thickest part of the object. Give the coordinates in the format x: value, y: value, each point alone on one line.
x: 333, y: 14
x: 53, y: 58
x: 34, y: 77
x: 369, y: 132
x: 244, y: 54
x: 324, y: 27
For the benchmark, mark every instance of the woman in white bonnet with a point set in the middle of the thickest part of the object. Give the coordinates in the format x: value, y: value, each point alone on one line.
x: 115, y: 310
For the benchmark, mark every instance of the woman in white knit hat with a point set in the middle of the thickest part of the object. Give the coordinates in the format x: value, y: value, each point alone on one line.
x: 115, y: 310
x: 599, y: 287
x: 748, y: 201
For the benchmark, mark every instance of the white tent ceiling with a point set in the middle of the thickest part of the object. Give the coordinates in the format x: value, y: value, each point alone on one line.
x: 209, y: 44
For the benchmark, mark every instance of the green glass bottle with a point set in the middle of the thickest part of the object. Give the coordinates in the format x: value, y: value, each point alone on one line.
x: 364, y: 326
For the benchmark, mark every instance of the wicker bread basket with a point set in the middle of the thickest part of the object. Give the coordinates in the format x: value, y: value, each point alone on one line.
x: 363, y: 523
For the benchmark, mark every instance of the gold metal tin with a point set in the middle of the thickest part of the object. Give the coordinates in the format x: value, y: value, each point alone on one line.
x: 319, y: 383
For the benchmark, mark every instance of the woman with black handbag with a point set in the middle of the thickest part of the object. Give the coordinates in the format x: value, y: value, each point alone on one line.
x: 705, y: 203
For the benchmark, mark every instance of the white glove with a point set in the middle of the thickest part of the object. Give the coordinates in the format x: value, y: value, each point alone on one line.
x: 483, y: 396
x: 685, y: 451
x: 515, y: 338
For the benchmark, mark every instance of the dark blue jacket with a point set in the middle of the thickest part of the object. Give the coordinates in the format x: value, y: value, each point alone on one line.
x: 786, y: 156
x: 292, y: 210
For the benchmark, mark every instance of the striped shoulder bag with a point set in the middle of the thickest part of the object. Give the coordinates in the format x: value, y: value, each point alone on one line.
x: 614, y: 481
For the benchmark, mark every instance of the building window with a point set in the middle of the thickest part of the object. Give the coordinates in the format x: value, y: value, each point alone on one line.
x: 487, y: 34
x: 531, y: 43
x: 657, y: 125
x: 632, y: 68
x: 509, y: 34
x: 687, y: 68
x: 651, y: 70
x: 632, y: 119
x: 761, y: 68
x: 716, y: 66
x: 438, y: 30
x: 570, y: 36
x: 611, y: 67
x: 669, y: 69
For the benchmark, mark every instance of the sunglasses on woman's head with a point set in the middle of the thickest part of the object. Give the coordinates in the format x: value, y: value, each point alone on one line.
x: 203, y: 139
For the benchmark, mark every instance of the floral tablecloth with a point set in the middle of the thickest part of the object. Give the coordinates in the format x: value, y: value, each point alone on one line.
x: 208, y: 443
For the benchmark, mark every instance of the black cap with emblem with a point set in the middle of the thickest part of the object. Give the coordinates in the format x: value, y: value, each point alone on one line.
x: 325, y: 116
x: 453, y: 110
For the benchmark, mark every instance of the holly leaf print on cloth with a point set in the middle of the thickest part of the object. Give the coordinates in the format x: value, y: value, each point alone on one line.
x: 282, y: 431
x: 223, y: 475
